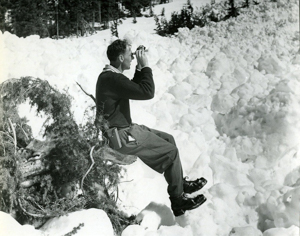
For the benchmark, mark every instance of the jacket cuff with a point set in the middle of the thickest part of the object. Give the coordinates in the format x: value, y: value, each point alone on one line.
x: 143, y: 68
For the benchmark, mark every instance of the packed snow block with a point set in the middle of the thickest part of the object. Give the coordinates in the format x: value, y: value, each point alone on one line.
x: 173, y: 231
x: 240, y: 74
x: 199, y: 64
x: 245, y: 231
x: 90, y: 222
x: 271, y: 64
x: 257, y: 84
x: 195, y: 119
x: 154, y: 215
x: 273, y: 120
x: 136, y: 230
x: 199, y: 101
x: 198, y: 81
x: 293, y: 178
x: 226, y: 171
x: 10, y: 227
x: 281, y: 209
x: 181, y: 91
x: 244, y: 92
x: 291, y: 231
x: 177, y: 68
x: 222, y: 103
x: 184, y: 35
x: 218, y: 66
x: 247, y: 148
x: 296, y: 60
x: 288, y: 212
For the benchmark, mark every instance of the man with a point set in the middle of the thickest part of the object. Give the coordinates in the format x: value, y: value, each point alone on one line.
x: 155, y: 148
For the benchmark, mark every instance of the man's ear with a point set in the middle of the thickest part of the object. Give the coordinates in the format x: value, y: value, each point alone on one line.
x: 121, y: 57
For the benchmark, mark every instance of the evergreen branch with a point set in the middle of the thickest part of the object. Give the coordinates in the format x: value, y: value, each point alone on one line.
x: 93, y: 162
x: 3, y: 145
x: 90, y: 95
x: 7, y: 135
x: 23, y: 95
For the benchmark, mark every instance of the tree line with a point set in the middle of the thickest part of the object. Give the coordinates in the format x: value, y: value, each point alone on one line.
x: 57, y: 18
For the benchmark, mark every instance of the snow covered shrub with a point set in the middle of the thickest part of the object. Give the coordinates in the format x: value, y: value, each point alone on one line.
x: 161, y: 25
x: 42, y: 179
x: 178, y: 20
x: 189, y: 18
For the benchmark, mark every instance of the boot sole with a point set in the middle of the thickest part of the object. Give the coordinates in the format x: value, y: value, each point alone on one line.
x: 179, y: 212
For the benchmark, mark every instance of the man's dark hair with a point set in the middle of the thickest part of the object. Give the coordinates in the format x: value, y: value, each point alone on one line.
x: 115, y: 49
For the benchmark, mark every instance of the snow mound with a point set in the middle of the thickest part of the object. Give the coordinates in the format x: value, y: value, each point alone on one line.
x: 94, y: 222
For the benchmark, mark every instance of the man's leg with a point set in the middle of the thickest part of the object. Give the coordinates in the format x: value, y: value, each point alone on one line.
x: 174, y: 177
x: 173, y: 174
x: 157, y: 150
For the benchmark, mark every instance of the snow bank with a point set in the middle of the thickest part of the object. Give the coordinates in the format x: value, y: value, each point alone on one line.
x: 229, y: 94
x: 89, y: 222
x: 10, y: 227
x: 84, y: 222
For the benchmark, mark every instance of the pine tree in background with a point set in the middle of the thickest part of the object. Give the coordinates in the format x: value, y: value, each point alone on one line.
x: 29, y: 17
x: 162, y: 12
x: 135, y: 6
x: 151, y: 13
x: 60, y: 18
x: 110, y: 12
x: 4, y: 5
x: 114, y: 28
x: 232, y: 10
x: 247, y: 4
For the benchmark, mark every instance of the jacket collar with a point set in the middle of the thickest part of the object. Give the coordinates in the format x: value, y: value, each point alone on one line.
x: 111, y: 68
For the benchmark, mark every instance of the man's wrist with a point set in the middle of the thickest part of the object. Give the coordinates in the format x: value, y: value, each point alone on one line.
x: 139, y: 68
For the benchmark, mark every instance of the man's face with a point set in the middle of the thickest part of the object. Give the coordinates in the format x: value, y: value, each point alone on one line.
x: 128, y: 57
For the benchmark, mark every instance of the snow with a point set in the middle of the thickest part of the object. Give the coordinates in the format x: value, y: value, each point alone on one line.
x: 86, y: 222
x: 9, y: 226
x: 228, y: 93
x: 92, y: 220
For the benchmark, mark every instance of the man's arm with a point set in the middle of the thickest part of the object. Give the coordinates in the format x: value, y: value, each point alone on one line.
x: 141, y: 88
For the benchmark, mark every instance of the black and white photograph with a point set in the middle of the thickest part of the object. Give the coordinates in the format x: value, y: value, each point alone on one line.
x: 150, y: 118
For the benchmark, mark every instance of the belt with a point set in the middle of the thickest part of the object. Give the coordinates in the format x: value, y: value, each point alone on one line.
x: 120, y: 127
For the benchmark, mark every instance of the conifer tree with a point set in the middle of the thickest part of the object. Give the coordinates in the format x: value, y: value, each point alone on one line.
x: 29, y: 17
x: 135, y: 6
x: 4, y: 5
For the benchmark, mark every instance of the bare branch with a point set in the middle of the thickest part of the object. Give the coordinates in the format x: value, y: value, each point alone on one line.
x: 14, y: 132
x: 93, y: 162
x: 26, y: 135
x: 32, y: 214
x: 90, y: 95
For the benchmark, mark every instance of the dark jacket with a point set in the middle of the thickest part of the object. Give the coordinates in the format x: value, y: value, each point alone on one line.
x: 113, y: 91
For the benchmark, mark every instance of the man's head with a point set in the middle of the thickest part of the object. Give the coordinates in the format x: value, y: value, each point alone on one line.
x: 120, y: 55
